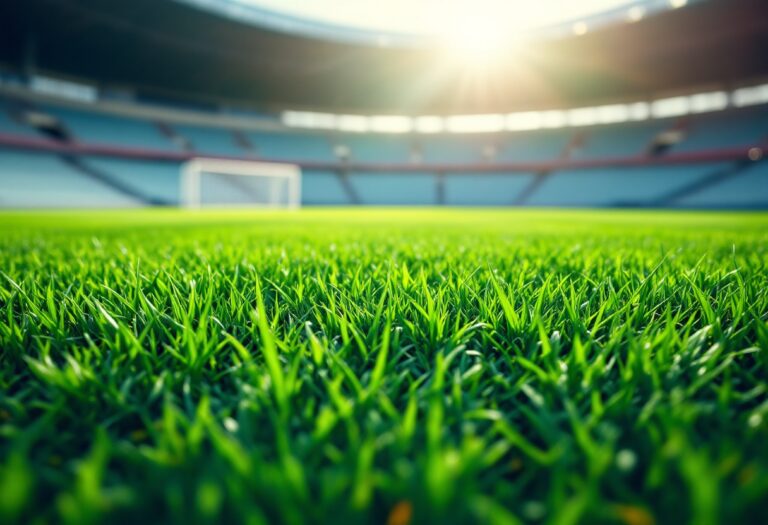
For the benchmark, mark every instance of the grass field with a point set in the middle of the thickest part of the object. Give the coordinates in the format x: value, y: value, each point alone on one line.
x: 384, y: 366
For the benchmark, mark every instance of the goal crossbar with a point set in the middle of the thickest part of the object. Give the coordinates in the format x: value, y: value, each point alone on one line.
x: 193, y: 170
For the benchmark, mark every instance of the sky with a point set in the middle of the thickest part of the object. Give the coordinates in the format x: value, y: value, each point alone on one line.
x: 436, y: 17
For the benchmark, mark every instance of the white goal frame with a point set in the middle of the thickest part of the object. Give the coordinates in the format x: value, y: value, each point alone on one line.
x: 192, y: 171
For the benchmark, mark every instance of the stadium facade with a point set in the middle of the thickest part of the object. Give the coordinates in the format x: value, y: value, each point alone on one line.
x: 628, y: 114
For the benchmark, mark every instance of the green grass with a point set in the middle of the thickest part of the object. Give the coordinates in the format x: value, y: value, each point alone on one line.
x: 387, y: 366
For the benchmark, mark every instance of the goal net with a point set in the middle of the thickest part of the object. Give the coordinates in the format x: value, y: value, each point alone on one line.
x: 216, y: 182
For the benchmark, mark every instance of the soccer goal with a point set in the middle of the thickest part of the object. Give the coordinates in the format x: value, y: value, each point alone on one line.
x: 217, y: 182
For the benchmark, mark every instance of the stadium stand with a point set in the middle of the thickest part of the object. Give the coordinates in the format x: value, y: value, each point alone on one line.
x: 44, y: 180
x: 472, y: 189
x: 324, y: 188
x: 626, y: 186
x: 535, y: 146
x: 448, y: 149
x: 371, y: 148
x: 746, y: 188
x: 11, y: 126
x: 725, y: 130
x: 159, y: 181
x: 394, y: 188
x: 292, y: 146
x: 212, y: 141
x: 91, y: 127
x: 618, y: 140
x: 589, y: 166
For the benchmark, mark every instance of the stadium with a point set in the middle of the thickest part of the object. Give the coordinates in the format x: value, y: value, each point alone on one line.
x: 312, y: 261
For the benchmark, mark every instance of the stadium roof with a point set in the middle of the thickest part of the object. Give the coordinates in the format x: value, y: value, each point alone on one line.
x: 419, y: 22
x: 428, y: 16
x: 167, y: 48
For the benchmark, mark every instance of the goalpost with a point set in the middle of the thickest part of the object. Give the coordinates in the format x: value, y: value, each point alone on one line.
x: 218, y: 182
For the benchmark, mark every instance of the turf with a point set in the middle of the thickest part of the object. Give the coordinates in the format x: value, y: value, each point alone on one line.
x: 388, y: 366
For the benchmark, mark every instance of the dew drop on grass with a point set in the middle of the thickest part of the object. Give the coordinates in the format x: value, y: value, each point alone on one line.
x: 626, y: 460
x: 231, y: 425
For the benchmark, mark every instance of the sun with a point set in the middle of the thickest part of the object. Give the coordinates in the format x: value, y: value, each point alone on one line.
x: 478, y: 41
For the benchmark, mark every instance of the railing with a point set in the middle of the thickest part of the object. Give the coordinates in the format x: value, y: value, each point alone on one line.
x: 10, y: 141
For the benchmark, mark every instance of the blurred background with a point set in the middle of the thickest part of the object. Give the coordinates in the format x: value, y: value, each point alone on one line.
x: 594, y: 103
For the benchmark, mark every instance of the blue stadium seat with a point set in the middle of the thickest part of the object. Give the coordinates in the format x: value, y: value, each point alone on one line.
x: 618, y: 140
x: 157, y: 180
x: 98, y: 128
x: 395, y: 188
x: 292, y: 146
x: 747, y: 189
x: 726, y: 130
x: 616, y: 186
x: 322, y: 188
x: 44, y: 181
x: 383, y: 149
x: 453, y: 149
x: 212, y: 141
x: 535, y: 146
x: 11, y: 127
x: 479, y: 189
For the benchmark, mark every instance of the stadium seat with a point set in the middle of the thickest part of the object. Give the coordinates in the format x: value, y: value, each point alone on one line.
x: 536, y: 146
x: 747, y: 189
x: 98, y: 128
x: 472, y: 189
x: 395, y: 188
x: 323, y: 188
x: 381, y: 149
x: 632, y: 186
x: 292, y: 146
x: 43, y: 180
x: 450, y: 149
x: 212, y: 141
x: 10, y: 126
x: 618, y: 140
x: 725, y: 130
x: 159, y: 181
